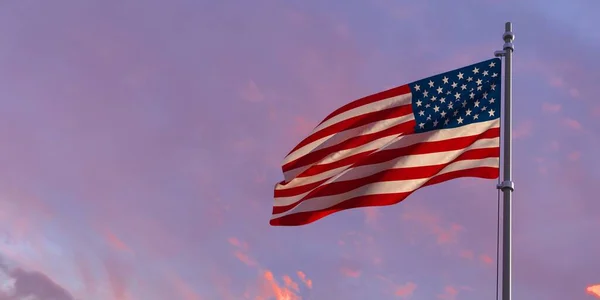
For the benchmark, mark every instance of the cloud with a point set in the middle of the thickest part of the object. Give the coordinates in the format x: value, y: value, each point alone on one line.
x: 523, y: 129
x: 571, y: 123
x: 271, y: 288
x: 304, y: 279
x: 486, y: 259
x: 252, y: 93
x: 241, y: 252
x: 550, y: 107
x: 449, y: 293
x: 350, y: 272
x: 444, y: 234
x: 574, y: 156
x: 406, y: 290
x: 28, y: 285
x: 594, y: 290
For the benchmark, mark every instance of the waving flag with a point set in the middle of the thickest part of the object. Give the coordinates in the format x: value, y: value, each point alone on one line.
x: 377, y: 150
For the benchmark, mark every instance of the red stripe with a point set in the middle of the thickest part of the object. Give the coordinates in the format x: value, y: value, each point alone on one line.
x: 304, y: 218
x: 335, y: 188
x: 397, y: 91
x: 357, y: 121
x: 317, y: 155
x: 385, y: 155
x: 397, y: 174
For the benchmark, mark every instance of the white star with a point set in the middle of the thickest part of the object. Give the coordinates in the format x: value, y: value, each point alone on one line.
x: 443, y: 114
x: 446, y: 122
x: 479, y: 88
x: 476, y: 116
x: 417, y: 87
x: 492, y: 64
x: 484, y: 108
x: 455, y: 113
x: 468, y: 112
x: 436, y: 108
x: 493, y: 86
x: 492, y: 100
x: 421, y: 113
x: 470, y: 79
x: 425, y: 93
x: 433, y: 98
x: 485, y: 95
x: 427, y: 105
x: 435, y: 122
x: 476, y: 70
x: 491, y: 112
x: 448, y: 93
x: 445, y: 79
x: 464, y: 103
x: 450, y: 105
x: 454, y: 85
x: 430, y: 83
x: 463, y: 87
x: 485, y: 73
x: 479, y: 81
x: 422, y: 125
x: 471, y: 95
x: 419, y: 103
x: 440, y: 90
x: 495, y: 75
x: 460, y: 75
x: 429, y: 118
x: 443, y: 100
x: 460, y: 120
x: 457, y: 96
x: 477, y: 103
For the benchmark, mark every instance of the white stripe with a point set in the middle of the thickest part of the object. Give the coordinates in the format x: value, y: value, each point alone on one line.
x: 399, y: 100
x: 387, y: 187
x: 390, y: 142
x: 339, y: 137
x: 408, y: 161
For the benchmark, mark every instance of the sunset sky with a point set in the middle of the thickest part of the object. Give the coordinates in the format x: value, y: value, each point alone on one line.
x: 140, y: 142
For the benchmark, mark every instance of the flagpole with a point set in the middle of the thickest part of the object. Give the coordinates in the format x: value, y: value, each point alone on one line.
x: 507, y: 185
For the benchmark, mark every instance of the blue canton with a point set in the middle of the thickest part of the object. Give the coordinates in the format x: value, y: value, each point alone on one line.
x: 459, y: 97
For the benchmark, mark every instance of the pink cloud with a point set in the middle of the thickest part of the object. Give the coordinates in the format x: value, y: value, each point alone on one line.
x: 550, y: 107
x: 523, y: 129
x: 371, y: 216
x: 449, y: 293
x: 252, y: 93
x: 116, y: 243
x: 304, y: 279
x: 486, y: 259
x: 183, y: 289
x: 271, y: 288
x: 350, y: 272
x: 468, y: 254
x: 406, y: 290
x: 571, y: 123
x: 574, y: 156
x: 444, y: 234
x: 289, y: 283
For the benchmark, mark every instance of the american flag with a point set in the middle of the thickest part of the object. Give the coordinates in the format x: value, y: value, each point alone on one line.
x: 378, y: 150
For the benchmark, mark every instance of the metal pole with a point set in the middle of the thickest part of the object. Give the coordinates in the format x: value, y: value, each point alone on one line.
x: 507, y: 185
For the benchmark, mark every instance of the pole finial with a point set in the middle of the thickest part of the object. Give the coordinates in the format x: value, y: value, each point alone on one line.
x: 508, y: 37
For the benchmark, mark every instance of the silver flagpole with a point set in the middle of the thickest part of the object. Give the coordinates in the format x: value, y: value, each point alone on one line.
x: 507, y: 185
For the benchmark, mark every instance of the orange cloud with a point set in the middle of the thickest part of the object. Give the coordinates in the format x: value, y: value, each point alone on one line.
x: 305, y: 279
x: 405, y: 291
x: 183, y: 289
x: 240, y: 253
x: 549, y: 107
x: 272, y: 288
x: 349, y: 272
x: 287, y: 280
x: 594, y: 290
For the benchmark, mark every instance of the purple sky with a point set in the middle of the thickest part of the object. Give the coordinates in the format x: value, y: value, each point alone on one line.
x: 140, y: 142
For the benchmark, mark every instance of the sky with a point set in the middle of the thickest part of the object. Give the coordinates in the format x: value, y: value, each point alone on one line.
x: 140, y: 142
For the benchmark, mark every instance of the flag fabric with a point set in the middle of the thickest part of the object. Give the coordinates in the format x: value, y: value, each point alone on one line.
x: 378, y: 150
